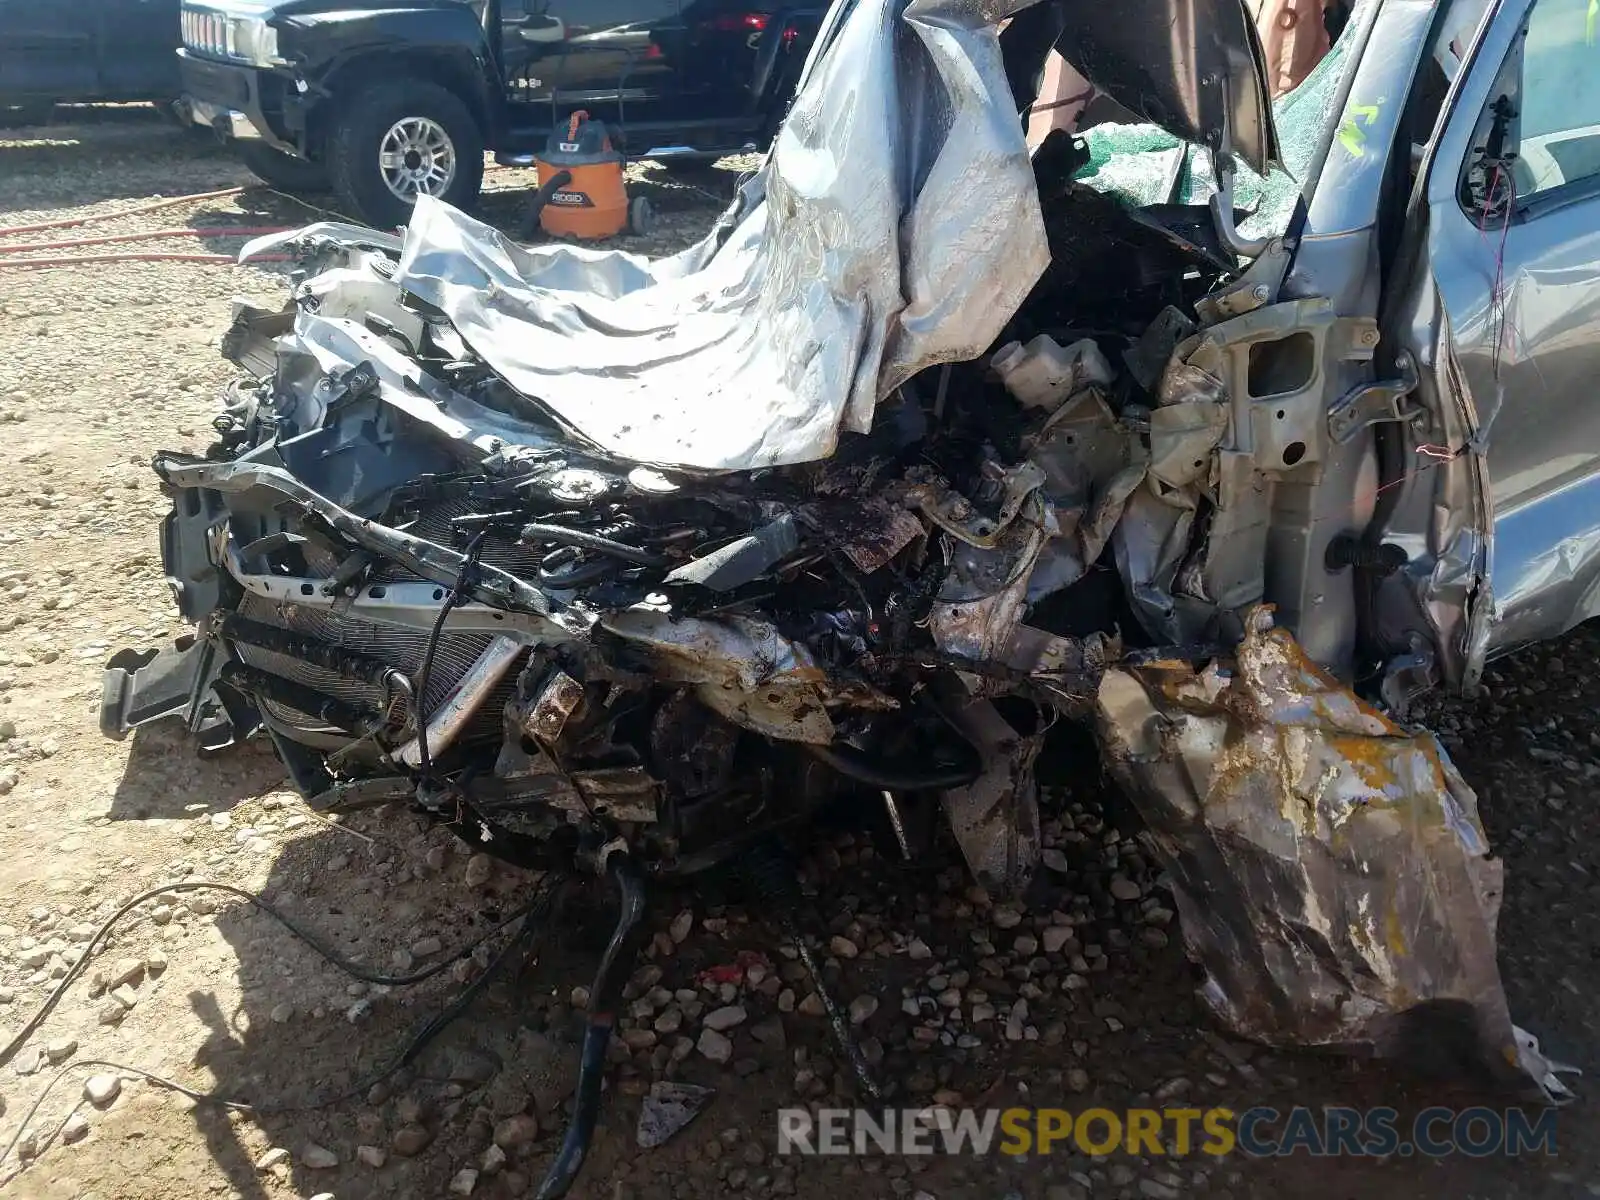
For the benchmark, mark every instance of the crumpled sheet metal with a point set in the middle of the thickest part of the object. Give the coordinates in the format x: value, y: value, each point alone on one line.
x: 741, y: 667
x: 995, y: 819
x: 895, y: 225
x: 1332, y: 875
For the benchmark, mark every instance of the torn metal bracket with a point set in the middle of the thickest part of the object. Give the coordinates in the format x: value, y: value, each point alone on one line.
x: 1377, y: 403
x: 1409, y: 675
x: 252, y: 339
x: 1222, y: 215
x: 995, y: 819
x: 1256, y: 288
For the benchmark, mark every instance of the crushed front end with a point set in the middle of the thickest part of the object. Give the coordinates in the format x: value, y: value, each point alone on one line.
x: 624, y: 562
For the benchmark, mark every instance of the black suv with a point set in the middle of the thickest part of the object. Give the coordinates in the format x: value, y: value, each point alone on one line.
x: 76, y: 51
x: 388, y: 99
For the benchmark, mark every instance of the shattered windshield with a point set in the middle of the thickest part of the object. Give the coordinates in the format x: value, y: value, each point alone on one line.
x: 1143, y: 164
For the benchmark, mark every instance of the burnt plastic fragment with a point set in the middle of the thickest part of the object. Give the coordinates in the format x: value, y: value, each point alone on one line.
x: 743, y: 560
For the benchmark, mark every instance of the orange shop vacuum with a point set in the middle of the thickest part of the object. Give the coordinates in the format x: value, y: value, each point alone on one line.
x: 581, y: 190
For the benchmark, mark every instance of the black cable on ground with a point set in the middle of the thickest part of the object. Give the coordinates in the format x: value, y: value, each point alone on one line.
x: 419, y: 1041
x: 354, y: 969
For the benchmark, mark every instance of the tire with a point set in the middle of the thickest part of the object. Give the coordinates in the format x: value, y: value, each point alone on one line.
x: 372, y: 118
x: 297, y: 176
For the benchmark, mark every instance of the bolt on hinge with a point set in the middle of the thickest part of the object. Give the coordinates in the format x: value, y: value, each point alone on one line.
x: 1376, y: 403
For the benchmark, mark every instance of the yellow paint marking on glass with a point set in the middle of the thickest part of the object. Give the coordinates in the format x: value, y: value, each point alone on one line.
x: 1592, y: 20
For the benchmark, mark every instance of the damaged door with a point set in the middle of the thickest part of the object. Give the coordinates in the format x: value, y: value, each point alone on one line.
x: 1513, y: 210
x: 1194, y: 67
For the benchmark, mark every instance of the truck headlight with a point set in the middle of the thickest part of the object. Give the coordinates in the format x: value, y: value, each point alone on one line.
x: 252, y: 40
x: 227, y: 32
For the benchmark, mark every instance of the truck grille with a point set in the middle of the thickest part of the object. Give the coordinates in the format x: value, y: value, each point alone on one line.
x: 207, y: 33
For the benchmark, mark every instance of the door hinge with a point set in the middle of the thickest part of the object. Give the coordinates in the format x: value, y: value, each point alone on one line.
x: 1383, y: 400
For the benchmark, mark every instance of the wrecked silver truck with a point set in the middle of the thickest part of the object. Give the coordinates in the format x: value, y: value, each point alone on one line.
x: 1219, y: 434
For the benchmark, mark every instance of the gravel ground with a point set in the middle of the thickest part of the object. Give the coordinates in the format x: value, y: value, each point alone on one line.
x: 1081, y: 996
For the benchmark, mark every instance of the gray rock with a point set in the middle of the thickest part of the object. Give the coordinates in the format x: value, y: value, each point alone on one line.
x: 811, y: 1006
x: 862, y: 1008
x: 410, y: 1140
x: 480, y: 868
x: 917, y: 950
x: 1056, y: 937
x: 464, y: 1181
x: 668, y: 1108
x: 493, y: 1160
x: 1015, y: 1023
x: 681, y: 925
x: 471, y: 1068
x: 61, y: 1049
x: 516, y: 1131
x: 101, y: 1090
x: 125, y: 995
x: 844, y: 947
x: 1055, y: 861
x: 75, y: 1130
x: 423, y: 947
x: 1124, y: 888
x: 371, y: 1156
x: 715, y: 1046
x: 769, y: 1032
x: 281, y: 1013
x: 725, y: 1018
x: 272, y: 1158
x: 318, y: 1158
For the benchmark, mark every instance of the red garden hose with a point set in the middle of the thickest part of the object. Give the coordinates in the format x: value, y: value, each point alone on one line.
x: 147, y: 236
x: 139, y: 210
x: 77, y: 260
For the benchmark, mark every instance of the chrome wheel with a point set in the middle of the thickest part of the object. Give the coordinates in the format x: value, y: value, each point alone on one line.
x: 417, y: 158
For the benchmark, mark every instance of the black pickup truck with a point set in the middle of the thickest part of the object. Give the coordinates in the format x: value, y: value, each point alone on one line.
x: 78, y: 51
x: 388, y: 99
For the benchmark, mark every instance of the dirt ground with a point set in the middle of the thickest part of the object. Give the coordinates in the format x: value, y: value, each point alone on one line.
x: 103, y: 364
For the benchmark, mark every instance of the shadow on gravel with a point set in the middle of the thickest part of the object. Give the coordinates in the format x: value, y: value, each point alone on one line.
x: 164, y: 778
x: 488, y: 1095
x: 306, y: 1034
x: 81, y: 166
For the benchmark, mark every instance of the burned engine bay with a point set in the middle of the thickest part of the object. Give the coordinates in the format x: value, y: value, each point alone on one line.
x: 428, y: 586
